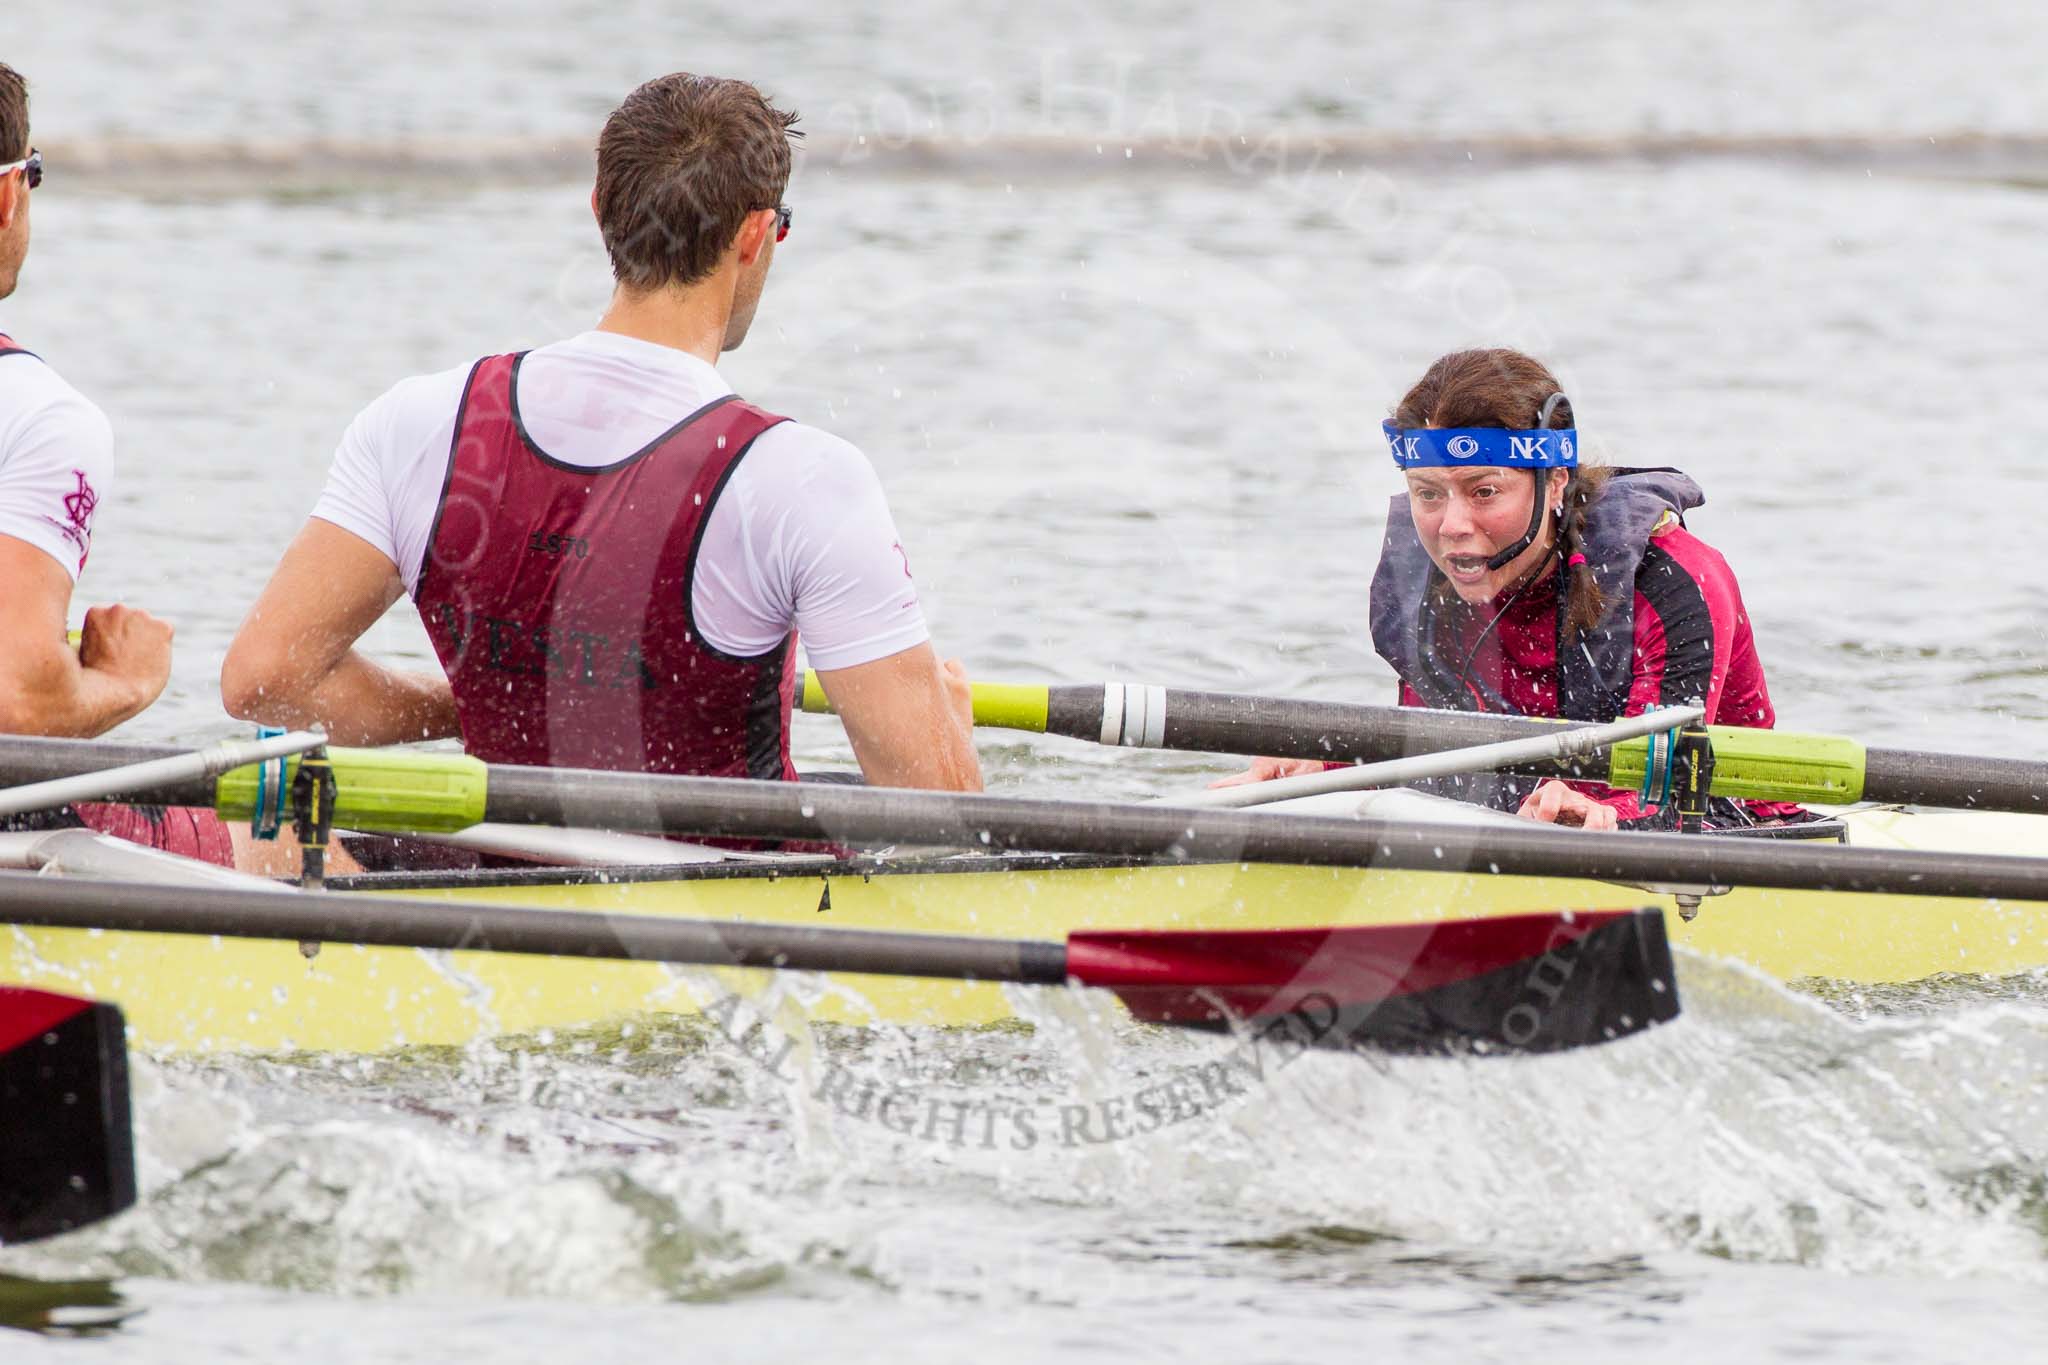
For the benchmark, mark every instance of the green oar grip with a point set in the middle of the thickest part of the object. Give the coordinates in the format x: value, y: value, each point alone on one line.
x: 1763, y: 765
x: 391, y: 790
x: 811, y: 696
x: 1008, y: 706
x: 1011, y: 706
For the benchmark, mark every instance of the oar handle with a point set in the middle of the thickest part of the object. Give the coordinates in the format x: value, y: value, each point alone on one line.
x: 1001, y: 706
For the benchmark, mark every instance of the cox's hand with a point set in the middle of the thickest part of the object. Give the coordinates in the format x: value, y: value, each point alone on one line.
x: 1266, y: 769
x: 1555, y: 803
x: 130, y: 644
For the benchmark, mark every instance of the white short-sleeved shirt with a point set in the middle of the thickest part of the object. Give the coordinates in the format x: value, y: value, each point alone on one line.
x: 56, y: 457
x: 800, y: 537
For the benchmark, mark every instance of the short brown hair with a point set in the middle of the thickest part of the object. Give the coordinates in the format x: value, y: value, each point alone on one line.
x: 679, y: 166
x: 13, y: 114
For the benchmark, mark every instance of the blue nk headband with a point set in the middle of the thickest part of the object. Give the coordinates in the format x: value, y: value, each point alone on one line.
x: 1539, y: 448
x: 1468, y: 447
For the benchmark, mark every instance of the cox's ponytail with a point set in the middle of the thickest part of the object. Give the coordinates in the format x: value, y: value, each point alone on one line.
x: 1585, y: 604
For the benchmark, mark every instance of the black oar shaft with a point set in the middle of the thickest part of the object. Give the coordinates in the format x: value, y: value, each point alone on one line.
x: 1907, y: 778
x: 707, y: 806
x: 392, y: 922
x: 1224, y: 722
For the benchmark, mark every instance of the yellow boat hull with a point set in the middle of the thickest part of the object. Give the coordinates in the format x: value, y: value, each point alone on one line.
x: 199, y: 994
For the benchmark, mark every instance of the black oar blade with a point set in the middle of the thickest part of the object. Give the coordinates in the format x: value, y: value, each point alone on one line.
x: 1516, y: 983
x: 67, y: 1154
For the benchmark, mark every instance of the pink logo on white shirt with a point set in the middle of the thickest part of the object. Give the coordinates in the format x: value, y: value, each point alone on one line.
x: 78, y: 508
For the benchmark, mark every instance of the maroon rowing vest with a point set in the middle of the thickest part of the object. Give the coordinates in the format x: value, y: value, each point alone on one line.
x: 558, y: 599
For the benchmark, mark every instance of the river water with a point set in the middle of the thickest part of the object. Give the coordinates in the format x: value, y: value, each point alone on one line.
x: 1114, y: 297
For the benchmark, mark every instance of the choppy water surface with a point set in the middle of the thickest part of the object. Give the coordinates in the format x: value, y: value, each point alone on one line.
x: 1766, y: 1179
x: 1127, y: 423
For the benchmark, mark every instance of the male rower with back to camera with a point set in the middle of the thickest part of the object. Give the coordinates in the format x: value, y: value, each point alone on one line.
x: 1514, y: 579
x: 56, y: 462
x: 612, y: 553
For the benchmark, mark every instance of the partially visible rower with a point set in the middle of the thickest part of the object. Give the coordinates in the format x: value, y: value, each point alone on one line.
x: 611, y: 551
x: 56, y: 461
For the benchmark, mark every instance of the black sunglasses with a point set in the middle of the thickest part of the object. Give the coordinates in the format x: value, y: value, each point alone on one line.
x: 31, y: 168
x: 782, y: 216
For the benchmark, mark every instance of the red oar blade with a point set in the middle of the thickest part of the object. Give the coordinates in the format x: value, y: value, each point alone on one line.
x: 67, y: 1153
x: 1515, y: 983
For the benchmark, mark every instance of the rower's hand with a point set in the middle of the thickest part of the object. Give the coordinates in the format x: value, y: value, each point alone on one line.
x: 1266, y: 769
x: 129, y: 645
x: 1556, y: 803
x: 959, y: 694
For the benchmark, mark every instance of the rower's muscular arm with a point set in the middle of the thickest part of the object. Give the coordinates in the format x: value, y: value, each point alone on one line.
x: 910, y: 718
x: 46, y: 688
x: 294, y: 661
